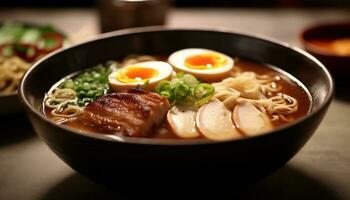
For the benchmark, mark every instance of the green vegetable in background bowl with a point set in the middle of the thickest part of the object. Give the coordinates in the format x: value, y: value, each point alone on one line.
x: 21, y: 44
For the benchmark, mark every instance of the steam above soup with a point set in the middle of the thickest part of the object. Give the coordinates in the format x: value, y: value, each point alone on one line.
x: 195, y: 93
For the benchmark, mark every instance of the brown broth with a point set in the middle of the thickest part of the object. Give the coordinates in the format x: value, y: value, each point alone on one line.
x: 289, y: 87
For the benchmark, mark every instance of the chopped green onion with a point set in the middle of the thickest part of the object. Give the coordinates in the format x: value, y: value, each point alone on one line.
x: 89, y: 85
x: 185, y: 89
x: 180, y: 75
x: 203, y: 93
x: 181, y: 91
x: 68, y: 84
x: 166, y: 93
x: 203, y: 90
x: 162, y: 86
x: 190, y: 80
x: 175, y: 82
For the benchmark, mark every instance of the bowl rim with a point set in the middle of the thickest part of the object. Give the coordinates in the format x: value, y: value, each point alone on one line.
x: 309, y: 46
x: 172, y: 142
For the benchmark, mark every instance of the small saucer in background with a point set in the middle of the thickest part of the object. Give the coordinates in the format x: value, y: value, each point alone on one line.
x: 330, y: 43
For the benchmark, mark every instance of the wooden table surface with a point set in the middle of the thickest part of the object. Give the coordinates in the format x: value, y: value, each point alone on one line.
x: 321, y: 170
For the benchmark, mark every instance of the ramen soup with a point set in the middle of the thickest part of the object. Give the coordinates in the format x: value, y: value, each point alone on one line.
x: 193, y: 93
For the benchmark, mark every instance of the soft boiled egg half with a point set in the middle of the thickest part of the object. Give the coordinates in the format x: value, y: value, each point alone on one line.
x: 137, y: 74
x: 205, y: 64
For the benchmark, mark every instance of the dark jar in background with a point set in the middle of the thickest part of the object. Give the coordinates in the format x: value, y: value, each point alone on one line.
x: 120, y: 14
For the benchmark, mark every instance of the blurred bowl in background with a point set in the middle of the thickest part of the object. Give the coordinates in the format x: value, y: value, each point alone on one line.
x: 330, y: 43
x: 21, y: 45
x: 120, y: 14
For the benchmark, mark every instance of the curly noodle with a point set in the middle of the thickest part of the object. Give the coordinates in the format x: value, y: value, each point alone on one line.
x: 11, y: 72
x: 63, y: 104
x: 262, y: 91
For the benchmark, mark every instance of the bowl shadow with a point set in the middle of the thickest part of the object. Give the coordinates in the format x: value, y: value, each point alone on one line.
x: 286, y: 183
x: 15, y: 128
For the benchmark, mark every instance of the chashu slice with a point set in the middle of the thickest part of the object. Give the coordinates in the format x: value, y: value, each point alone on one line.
x: 130, y: 113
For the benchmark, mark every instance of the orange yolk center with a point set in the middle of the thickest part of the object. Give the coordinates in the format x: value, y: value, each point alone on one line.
x: 205, y: 61
x: 137, y: 74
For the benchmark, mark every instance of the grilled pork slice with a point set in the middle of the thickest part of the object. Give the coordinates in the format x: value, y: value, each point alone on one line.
x: 130, y: 113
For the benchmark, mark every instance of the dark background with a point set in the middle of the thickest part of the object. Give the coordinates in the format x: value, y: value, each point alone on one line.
x: 187, y: 3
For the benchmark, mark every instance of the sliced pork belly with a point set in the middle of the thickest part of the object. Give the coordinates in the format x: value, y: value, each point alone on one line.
x: 130, y: 113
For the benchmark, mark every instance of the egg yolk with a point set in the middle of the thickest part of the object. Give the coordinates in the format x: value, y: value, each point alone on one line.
x: 136, y: 74
x: 205, y: 61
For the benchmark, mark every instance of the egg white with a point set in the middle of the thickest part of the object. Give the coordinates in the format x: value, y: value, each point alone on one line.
x: 164, y: 72
x: 177, y: 60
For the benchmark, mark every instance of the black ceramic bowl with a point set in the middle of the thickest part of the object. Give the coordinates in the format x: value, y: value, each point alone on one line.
x: 135, y: 162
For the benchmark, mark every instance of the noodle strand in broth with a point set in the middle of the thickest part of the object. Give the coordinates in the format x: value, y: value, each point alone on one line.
x: 260, y: 90
x: 63, y: 104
